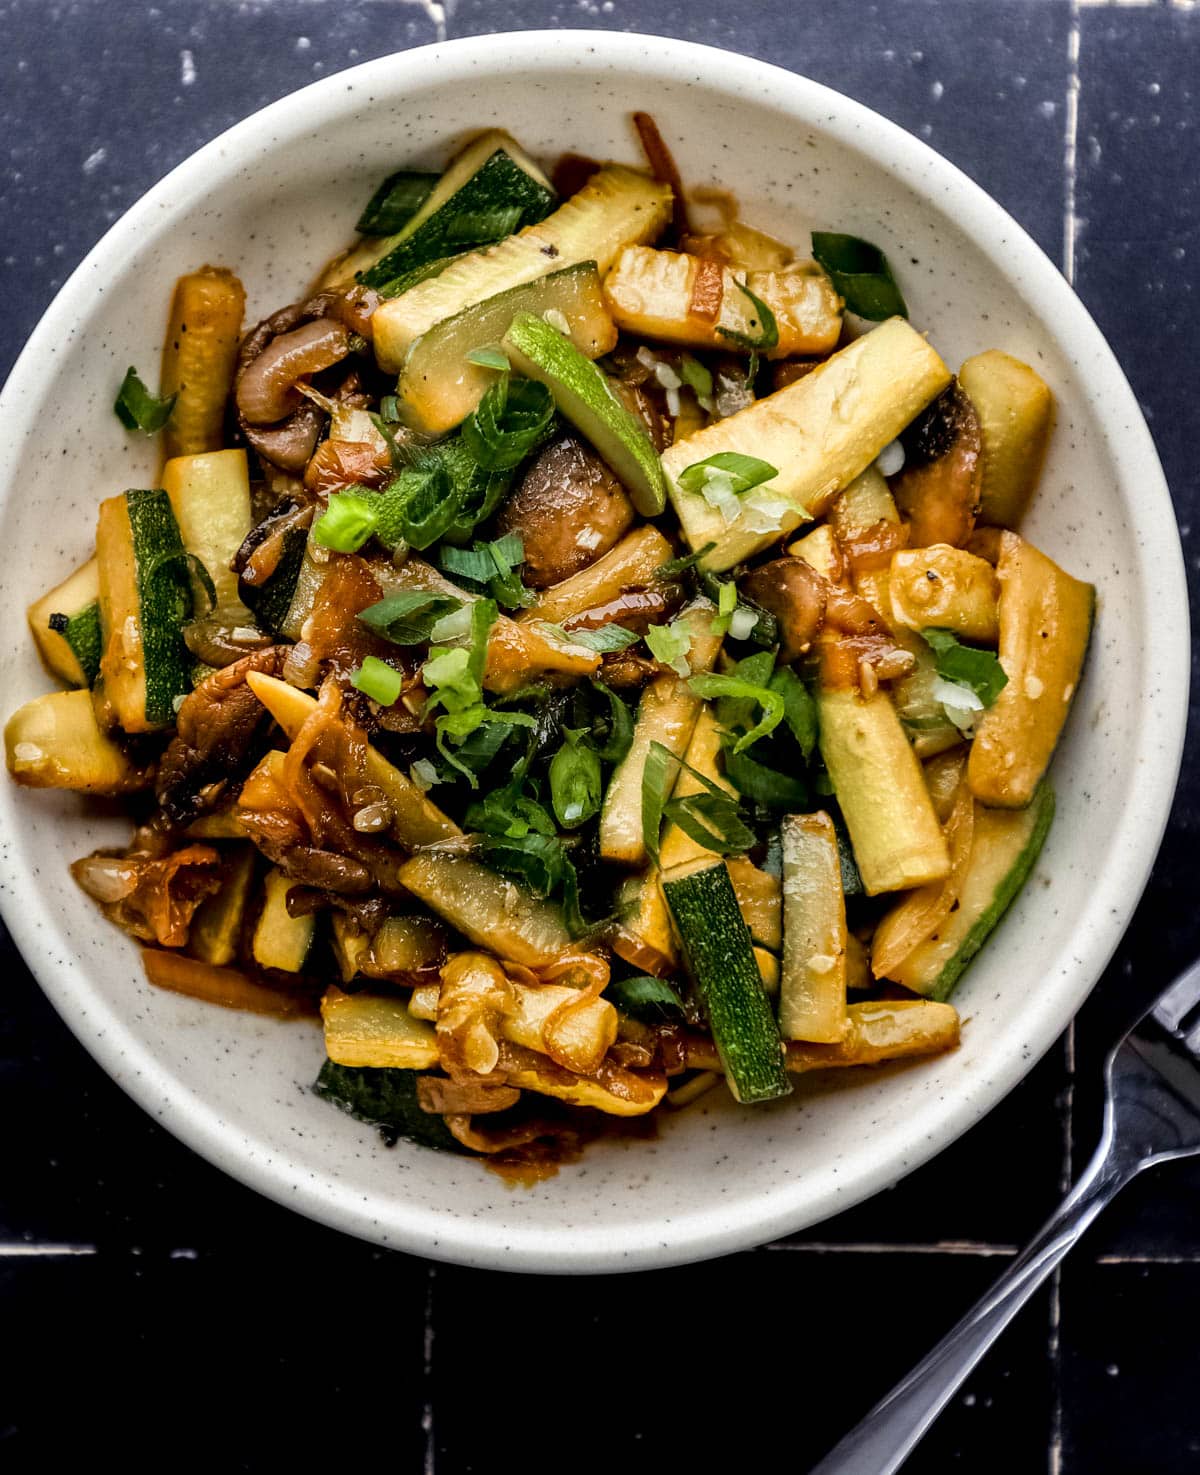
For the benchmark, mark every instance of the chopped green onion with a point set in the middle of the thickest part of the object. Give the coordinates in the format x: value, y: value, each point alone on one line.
x: 696, y: 376
x: 709, y: 817
x: 489, y: 358
x: 575, y: 783
x: 742, y: 472
x: 408, y: 618
x: 604, y: 639
x: 771, y: 702
x: 620, y: 725
x: 395, y: 202
x: 736, y: 712
x: 676, y: 566
x: 764, y: 785
x: 417, y: 507
x: 768, y: 328
x: 799, y: 709
x: 349, y: 520
x: 475, y: 564
x: 454, y: 678
x: 861, y: 274
x: 458, y: 726
x: 424, y: 774
x: 509, y: 423
x: 542, y: 864
x: 455, y: 625
x: 726, y: 604
x: 509, y: 813
x: 389, y: 408
x: 670, y: 644
x: 711, y: 820
x: 978, y: 670
x: 137, y: 409
x: 378, y: 680
x: 658, y: 775
x: 492, y: 565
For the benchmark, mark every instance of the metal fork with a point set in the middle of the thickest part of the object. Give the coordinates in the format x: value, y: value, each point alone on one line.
x: 1151, y: 1115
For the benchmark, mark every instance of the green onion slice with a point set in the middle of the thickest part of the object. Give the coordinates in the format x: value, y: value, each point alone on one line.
x: 137, y: 409
x: 378, y: 680
x: 861, y: 273
x: 349, y: 520
x: 742, y: 472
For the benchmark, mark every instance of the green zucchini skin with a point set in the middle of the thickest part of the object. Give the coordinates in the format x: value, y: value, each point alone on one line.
x: 395, y: 202
x: 719, y: 955
x: 385, y: 1098
x: 1002, y: 898
x: 165, y: 597
x: 498, y: 199
x: 81, y: 631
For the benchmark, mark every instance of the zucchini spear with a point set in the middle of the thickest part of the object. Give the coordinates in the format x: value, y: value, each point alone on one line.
x: 719, y: 954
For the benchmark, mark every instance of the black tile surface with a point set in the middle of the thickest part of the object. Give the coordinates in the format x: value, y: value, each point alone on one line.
x: 204, y: 1320
x: 765, y: 1357
x: 1128, y: 1364
x: 246, y: 1362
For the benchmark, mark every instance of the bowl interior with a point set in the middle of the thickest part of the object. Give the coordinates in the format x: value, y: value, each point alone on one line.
x: 273, y: 200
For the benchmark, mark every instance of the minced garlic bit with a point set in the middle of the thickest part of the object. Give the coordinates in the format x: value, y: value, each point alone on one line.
x: 557, y: 319
x: 821, y: 963
x: 891, y: 459
x: 867, y: 678
x: 1033, y: 687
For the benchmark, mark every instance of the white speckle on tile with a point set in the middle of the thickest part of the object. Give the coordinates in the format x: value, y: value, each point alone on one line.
x: 187, y: 68
x: 302, y: 43
x: 937, y: 91
x: 1048, y: 108
x: 436, y: 13
x: 94, y: 160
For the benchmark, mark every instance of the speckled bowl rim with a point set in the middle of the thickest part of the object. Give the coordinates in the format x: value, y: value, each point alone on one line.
x: 791, y: 1205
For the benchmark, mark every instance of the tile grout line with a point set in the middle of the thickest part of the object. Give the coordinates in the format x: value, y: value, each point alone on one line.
x: 18, y: 1252
x: 427, y: 1424
x: 942, y: 1247
x: 1070, y: 233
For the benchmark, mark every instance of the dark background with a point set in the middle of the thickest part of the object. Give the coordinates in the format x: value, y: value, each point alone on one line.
x: 153, y: 1311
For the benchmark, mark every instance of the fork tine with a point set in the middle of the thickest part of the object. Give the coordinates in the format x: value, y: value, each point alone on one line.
x: 1173, y: 1006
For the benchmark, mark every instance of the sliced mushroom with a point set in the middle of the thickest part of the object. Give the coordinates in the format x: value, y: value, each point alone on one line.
x: 938, y: 492
x: 569, y: 509
x: 266, y: 388
x: 290, y: 345
x: 215, y: 733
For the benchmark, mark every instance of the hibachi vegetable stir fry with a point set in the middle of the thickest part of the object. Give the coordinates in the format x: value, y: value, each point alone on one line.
x: 587, y: 659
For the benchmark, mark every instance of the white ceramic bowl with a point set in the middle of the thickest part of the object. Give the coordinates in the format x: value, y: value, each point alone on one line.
x: 273, y: 198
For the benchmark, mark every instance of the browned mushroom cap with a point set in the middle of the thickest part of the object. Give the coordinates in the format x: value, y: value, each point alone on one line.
x: 939, y: 489
x: 569, y: 509
x: 795, y: 594
x: 290, y: 345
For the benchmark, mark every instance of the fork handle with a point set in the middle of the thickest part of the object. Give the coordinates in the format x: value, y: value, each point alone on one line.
x: 893, y: 1428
